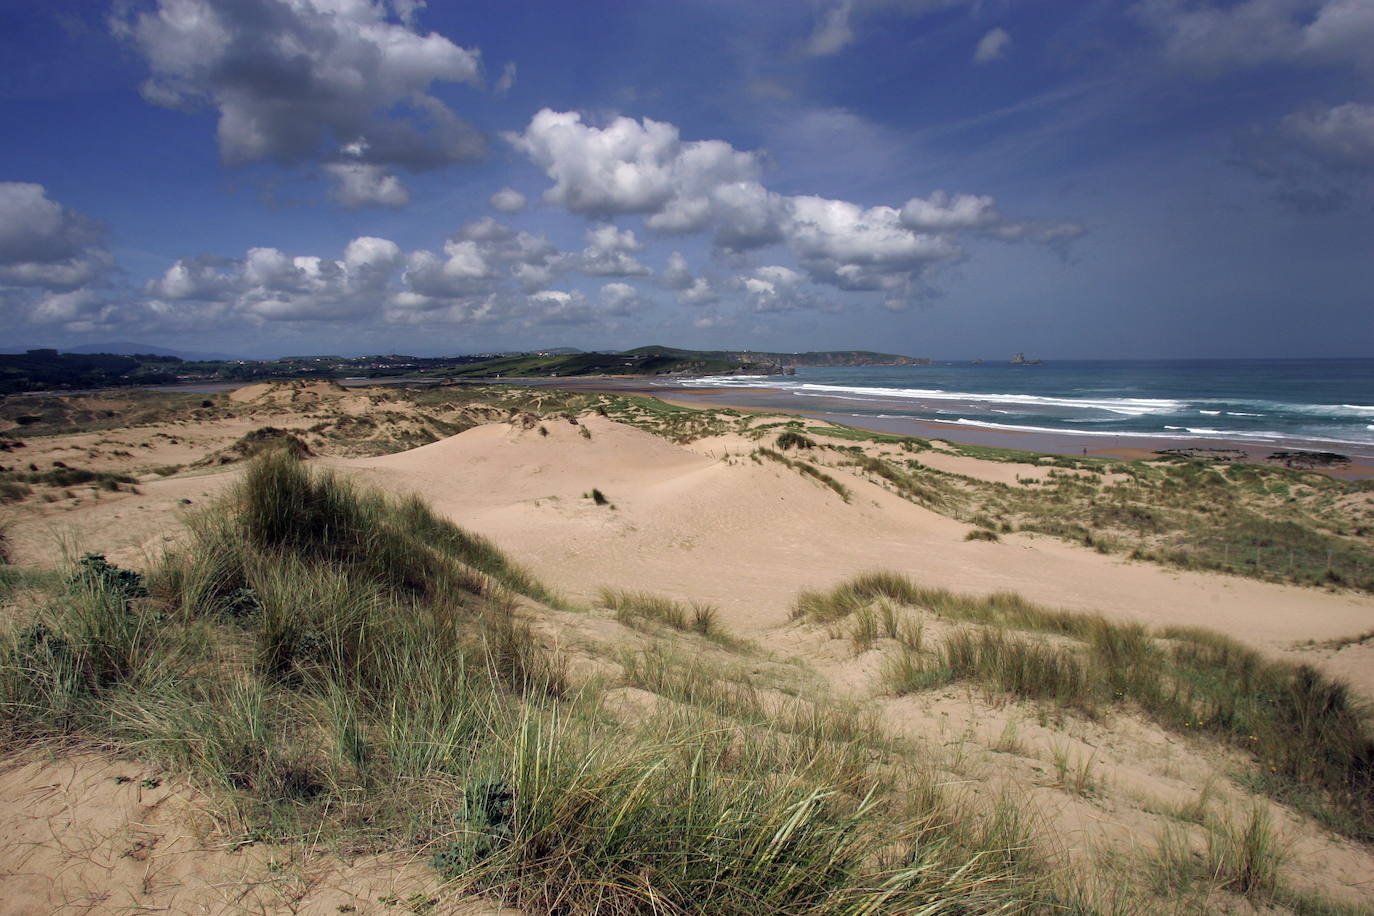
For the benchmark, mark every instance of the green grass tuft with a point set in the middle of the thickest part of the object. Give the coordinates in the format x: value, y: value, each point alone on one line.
x: 628, y: 606
x: 792, y: 439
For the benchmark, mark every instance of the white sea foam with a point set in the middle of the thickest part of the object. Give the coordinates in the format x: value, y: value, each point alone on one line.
x: 1125, y: 406
x: 1072, y: 414
x: 1013, y: 427
x: 1268, y: 437
x: 1326, y: 410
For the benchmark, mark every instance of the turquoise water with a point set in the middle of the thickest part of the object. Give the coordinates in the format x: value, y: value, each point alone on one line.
x: 1324, y: 403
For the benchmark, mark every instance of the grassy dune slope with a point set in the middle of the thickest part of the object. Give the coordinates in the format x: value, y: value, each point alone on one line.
x: 333, y: 662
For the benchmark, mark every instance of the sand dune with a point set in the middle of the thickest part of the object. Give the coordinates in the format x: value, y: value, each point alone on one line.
x: 747, y: 536
x: 708, y: 521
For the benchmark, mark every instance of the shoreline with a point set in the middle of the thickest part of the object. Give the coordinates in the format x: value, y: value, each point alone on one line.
x: 1124, y: 446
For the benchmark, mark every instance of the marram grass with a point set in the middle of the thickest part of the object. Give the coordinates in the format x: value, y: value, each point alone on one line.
x: 1309, y: 736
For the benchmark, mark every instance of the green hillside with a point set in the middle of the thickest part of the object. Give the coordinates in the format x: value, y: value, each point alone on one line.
x: 643, y: 361
x: 809, y: 358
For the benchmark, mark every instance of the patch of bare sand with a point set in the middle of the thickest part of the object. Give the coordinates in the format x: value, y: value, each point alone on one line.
x: 130, y: 529
x: 82, y: 832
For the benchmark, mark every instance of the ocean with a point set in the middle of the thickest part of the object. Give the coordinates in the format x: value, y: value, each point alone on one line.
x: 1322, y: 403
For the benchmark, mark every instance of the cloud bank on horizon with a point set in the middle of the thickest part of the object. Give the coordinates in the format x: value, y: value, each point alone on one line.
x: 1180, y: 177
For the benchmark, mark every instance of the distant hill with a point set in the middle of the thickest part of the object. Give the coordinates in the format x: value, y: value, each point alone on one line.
x: 809, y: 358
x: 42, y: 369
x: 660, y: 360
x: 648, y: 362
x: 128, y: 348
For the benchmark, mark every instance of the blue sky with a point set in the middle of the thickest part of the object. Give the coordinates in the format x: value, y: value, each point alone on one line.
x: 1163, y: 178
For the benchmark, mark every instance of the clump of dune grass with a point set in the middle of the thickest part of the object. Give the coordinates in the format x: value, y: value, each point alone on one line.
x: 1241, y: 854
x: 906, y: 672
x: 332, y: 664
x: 1246, y: 856
x: 694, y: 681
x: 918, y: 489
x: 1022, y: 668
x: 15, y: 484
x: 576, y: 822
x: 13, y: 490
x: 696, y: 617
x: 789, y: 438
x: 282, y: 505
x: 1311, y: 740
x: 809, y: 470
x: 982, y: 534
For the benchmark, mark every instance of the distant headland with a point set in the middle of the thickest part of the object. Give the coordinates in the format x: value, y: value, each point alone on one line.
x: 50, y: 369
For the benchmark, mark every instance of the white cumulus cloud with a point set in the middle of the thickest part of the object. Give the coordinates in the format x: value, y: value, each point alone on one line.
x: 1212, y: 36
x: 507, y: 200
x: 267, y: 284
x: 312, y: 81
x: 361, y: 184
x: 620, y: 299
x: 645, y: 167
x: 1319, y: 158
x: 46, y: 245
x: 631, y: 166
x: 610, y: 253
x: 54, y: 266
x: 699, y: 292
x: 775, y: 288
x: 941, y: 212
x: 676, y: 274
x: 1342, y: 136
x: 991, y: 46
